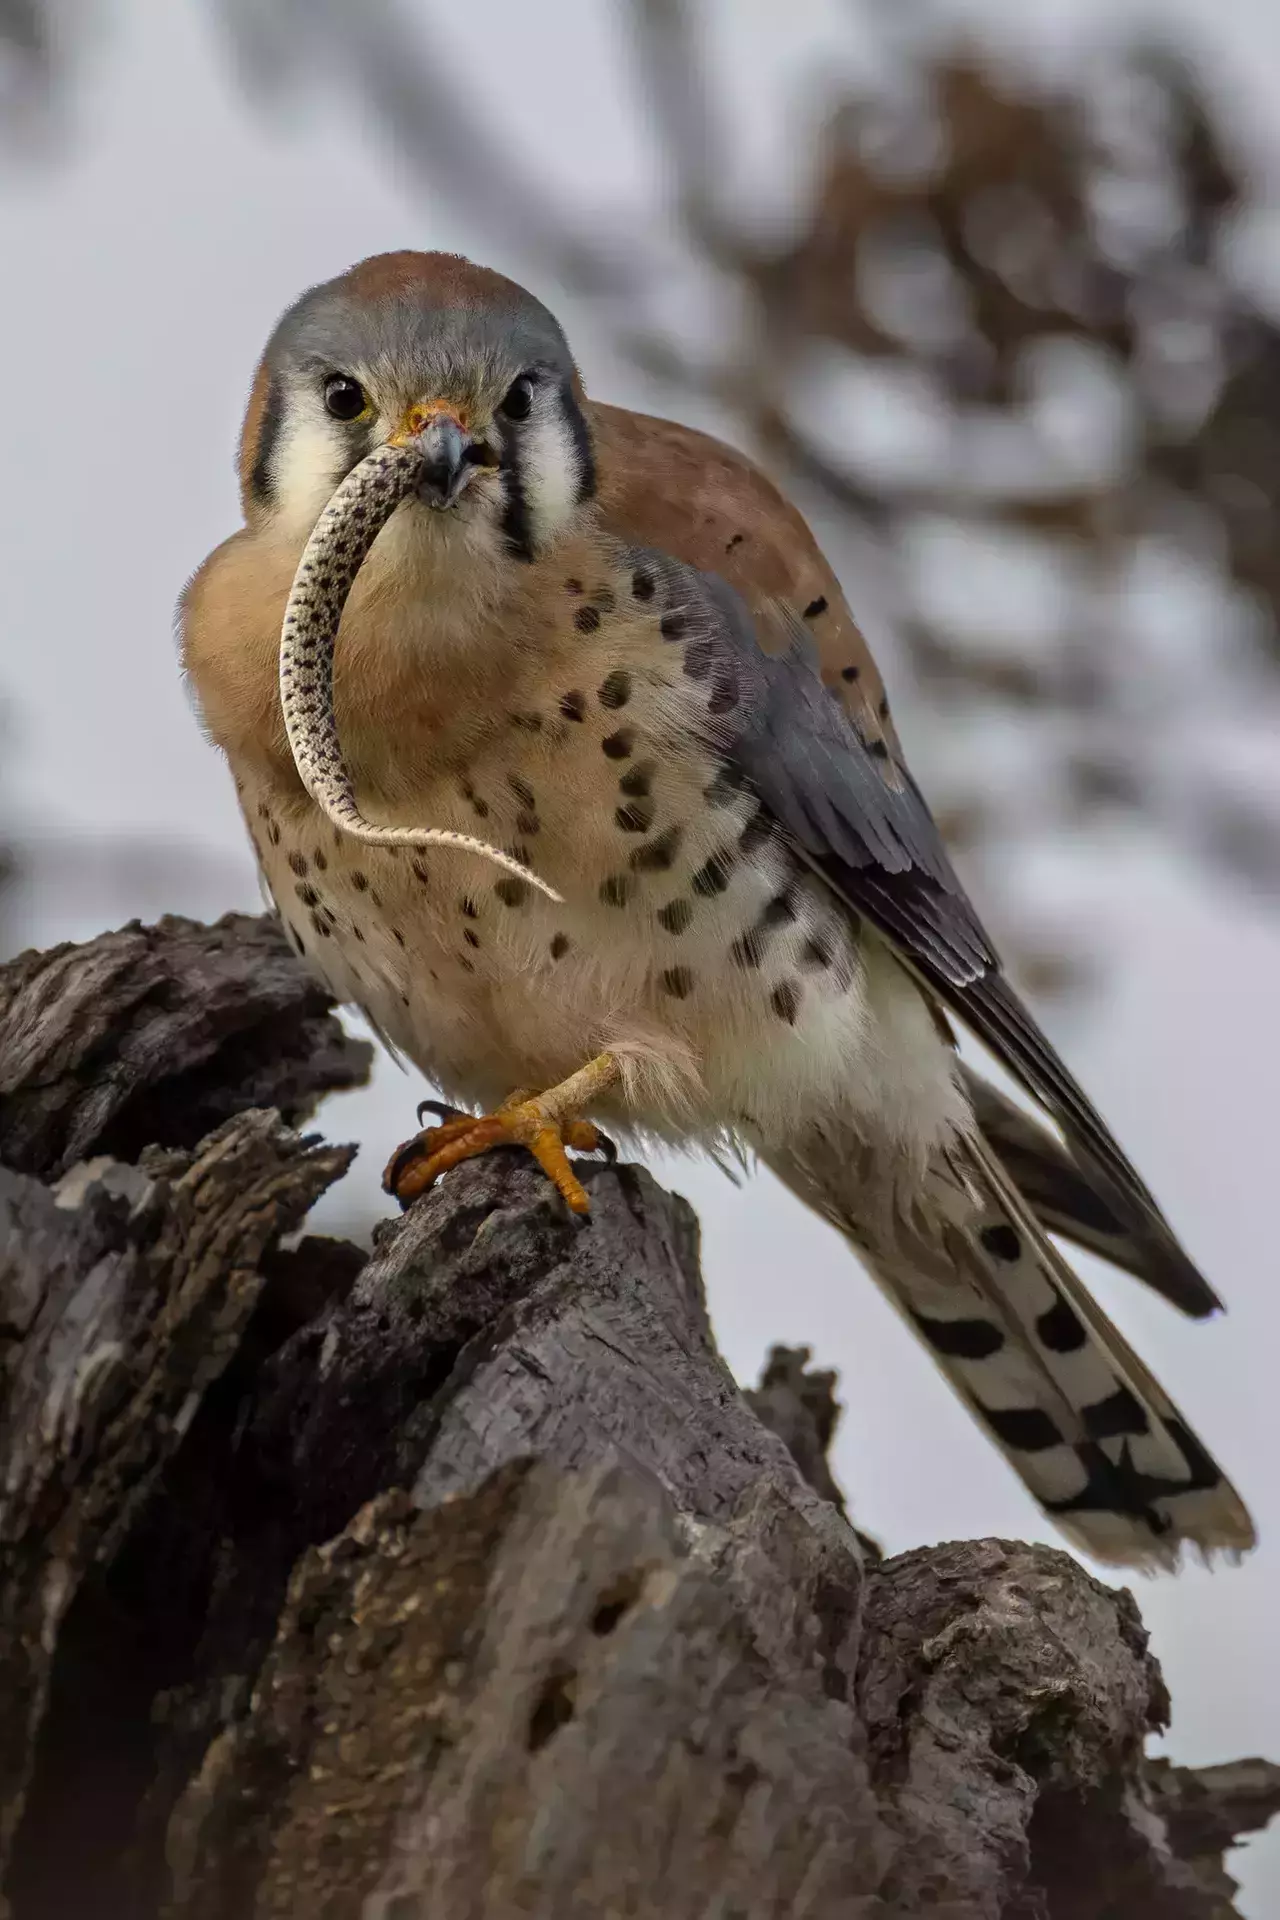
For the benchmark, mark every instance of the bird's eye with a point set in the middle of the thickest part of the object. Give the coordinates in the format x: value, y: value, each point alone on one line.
x: 517, y: 402
x: 344, y: 397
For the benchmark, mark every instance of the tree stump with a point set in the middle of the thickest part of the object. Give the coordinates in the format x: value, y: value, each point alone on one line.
x: 458, y: 1579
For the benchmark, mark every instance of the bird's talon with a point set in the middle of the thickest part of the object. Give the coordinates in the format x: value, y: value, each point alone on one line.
x: 419, y: 1163
x: 441, y: 1107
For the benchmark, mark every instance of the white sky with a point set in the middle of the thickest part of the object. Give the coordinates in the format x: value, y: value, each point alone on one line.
x: 146, y: 267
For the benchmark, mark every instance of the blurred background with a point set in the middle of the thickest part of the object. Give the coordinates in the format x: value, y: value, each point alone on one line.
x: 994, y: 290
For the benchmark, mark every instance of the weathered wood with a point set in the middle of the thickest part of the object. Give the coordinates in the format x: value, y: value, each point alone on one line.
x: 158, y: 1034
x: 996, y: 1683
x: 124, y: 1291
x: 490, y: 1328
x: 798, y: 1403
x: 1207, y: 1809
x: 562, y: 1712
x: 460, y: 1579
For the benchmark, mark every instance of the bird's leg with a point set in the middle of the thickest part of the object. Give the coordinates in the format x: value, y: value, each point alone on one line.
x: 545, y: 1123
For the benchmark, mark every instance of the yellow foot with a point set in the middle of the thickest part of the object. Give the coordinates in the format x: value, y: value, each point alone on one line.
x: 545, y: 1124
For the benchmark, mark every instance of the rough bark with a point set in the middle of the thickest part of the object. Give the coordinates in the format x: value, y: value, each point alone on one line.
x: 459, y: 1579
x: 159, y: 1034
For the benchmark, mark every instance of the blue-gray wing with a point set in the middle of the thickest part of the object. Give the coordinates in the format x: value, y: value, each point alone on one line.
x: 848, y: 805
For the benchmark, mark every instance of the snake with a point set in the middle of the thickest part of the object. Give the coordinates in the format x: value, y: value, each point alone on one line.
x: 339, y: 544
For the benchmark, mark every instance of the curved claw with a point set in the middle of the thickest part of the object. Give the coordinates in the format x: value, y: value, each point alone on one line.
x: 400, y: 1162
x: 441, y: 1107
x: 604, y: 1145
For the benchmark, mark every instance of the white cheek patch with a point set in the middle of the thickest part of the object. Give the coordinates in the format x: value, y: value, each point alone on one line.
x: 306, y: 462
x: 551, y: 472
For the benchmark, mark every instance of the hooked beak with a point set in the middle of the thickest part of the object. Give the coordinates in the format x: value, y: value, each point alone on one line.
x: 449, y: 454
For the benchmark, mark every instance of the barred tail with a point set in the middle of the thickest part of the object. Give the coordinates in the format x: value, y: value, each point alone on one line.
x: 1091, y: 1434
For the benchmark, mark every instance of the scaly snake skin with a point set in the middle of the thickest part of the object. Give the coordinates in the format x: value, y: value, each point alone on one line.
x: 333, y: 556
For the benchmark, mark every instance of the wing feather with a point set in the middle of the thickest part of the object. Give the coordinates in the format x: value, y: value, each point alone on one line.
x: 849, y: 806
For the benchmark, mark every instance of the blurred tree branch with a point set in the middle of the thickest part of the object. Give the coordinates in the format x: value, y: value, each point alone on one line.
x: 25, y: 51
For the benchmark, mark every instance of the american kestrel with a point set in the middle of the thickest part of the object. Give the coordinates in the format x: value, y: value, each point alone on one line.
x: 607, y: 648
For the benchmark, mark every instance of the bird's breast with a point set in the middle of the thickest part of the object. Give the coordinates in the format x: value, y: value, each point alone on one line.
x: 735, y: 987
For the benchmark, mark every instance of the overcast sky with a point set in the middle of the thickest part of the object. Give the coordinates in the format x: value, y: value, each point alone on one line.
x: 145, y: 268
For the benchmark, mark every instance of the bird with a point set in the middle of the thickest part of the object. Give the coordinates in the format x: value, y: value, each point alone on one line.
x: 715, y: 909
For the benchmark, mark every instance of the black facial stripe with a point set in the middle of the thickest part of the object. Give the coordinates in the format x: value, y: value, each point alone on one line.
x: 516, y: 522
x: 261, y: 485
x: 580, y: 434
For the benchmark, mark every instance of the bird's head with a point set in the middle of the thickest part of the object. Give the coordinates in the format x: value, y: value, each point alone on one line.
x: 429, y: 350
